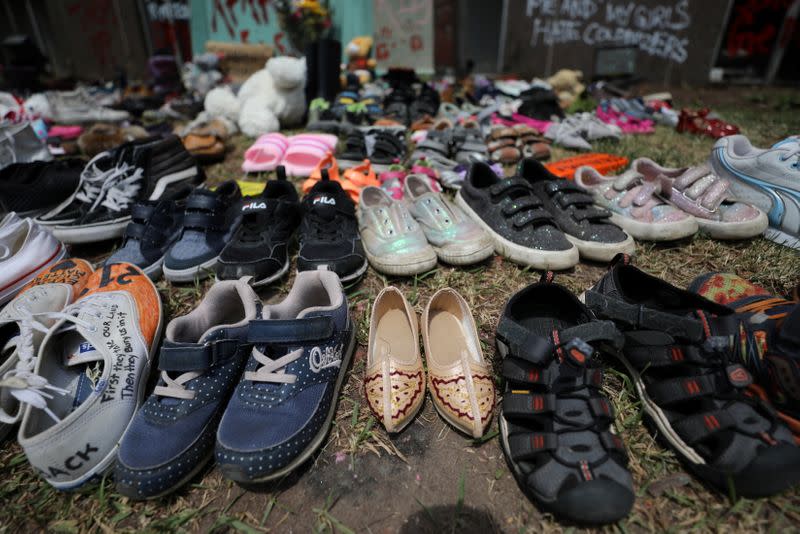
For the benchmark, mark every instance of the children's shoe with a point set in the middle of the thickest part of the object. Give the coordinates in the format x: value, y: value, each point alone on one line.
x: 702, y: 193
x: 22, y: 328
x: 90, y: 376
x: 768, y: 340
x: 514, y: 217
x: 211, y: 219
x: 355, y: 150
x: 573, y: 209
x: 693, y: 388
x: 556, y: 423
x: 328, y: 235
x: 460, y: 380
x: 385, y: 147
x: 283, y: 407
x: 260, y: 247
x: 26, y: 249
x: 456, y: 239
x: 201, y: 361
x: 393, y: 241
x: 155, y: 226
x: 635, y: 205
x: 394, y: 379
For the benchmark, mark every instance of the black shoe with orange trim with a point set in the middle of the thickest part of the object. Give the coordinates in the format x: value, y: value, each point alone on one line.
x: 767, y: 341
x: 692, y: 385
x: 555, y: 424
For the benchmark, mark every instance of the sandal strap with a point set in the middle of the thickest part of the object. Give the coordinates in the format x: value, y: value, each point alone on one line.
x: 527, y: 405
x: 526, y: 446
x: 701, y: 426
x: 675, y: 390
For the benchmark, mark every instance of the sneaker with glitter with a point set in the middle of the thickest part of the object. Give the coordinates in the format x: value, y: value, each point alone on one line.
x: 201, y: 361
x: 282, y: 409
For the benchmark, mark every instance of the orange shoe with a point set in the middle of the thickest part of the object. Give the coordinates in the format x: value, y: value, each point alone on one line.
x: 328, y: 162
x: 603, y: 163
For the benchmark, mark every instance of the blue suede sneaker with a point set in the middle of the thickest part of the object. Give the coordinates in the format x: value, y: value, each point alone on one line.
x: 171, y: 437
x: 282, y: 409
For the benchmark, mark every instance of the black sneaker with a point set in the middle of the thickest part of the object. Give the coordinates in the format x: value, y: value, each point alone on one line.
x: 387, y: 147
x: 329, y: 237
x: 355, y: 150
x: 155, y: 225
x: 260, y: 248
x: 693, y: 387
x: 555, y: 423
x: 143, y: 170
x: 522, y: 230
x: 588, y: 226
x: 426, y: 103
x: 396, y: 104
x: 30, y: 189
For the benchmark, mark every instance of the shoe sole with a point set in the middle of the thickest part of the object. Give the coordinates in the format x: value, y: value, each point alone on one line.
x: 782, y: 238
x: 268, y: 280
x: 183, y: 481
x: 410, y: 267
x: 355, y: 275
x: 75, y: 235
x: 734, y: 230
x: 538, y: 259
x: 323, y: 432
x: 469, y: 258
x: 599, y: 251
x: 107, y: 464
x: 10, y: 291
x: 199, y: 272
x: 169, y: 179
x: 669, y: 231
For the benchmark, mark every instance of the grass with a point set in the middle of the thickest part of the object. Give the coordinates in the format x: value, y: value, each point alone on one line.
x: 431, y: 479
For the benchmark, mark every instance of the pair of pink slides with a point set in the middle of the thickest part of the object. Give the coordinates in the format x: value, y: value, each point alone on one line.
x: 299, y: 153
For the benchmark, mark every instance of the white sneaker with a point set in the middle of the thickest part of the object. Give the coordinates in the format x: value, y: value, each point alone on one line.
x: 90, y: 376
x: 766, y: 177
x: 22, y: 328
x: 70, y: 107
x: 25, y: 250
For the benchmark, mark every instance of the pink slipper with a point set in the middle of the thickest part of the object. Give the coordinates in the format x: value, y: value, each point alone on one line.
x: 65, y: 132
x: 518, y: 118
x: 306, y: 151
x: 266, y: 153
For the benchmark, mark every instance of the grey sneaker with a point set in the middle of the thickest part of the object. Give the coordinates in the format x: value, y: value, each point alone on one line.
x: 457, y: 239
x: 70, y: 107
x: 394, y: 242
x: 769, y: 178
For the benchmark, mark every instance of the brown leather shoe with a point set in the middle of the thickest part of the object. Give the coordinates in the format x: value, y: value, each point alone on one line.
x: 206, y: 140
x: 395, y: 379
x: 459, y: 378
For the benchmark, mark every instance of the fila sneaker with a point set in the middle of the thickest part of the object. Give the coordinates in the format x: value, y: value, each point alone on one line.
x: 22, y: 329
x: 90, y: 376
x: 282, y: 409
x: 201, y: 362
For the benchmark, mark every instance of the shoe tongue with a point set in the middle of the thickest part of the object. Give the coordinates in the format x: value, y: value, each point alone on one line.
x: 79, y: 351
x: 326, y: 198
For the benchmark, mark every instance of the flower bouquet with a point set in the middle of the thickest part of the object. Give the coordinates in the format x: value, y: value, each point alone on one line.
x: 304, y: 21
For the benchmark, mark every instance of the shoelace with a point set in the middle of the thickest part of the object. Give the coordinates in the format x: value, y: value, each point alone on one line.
x: 273, y: 371
x: 93, y: 178
x: 325, y: 229
x: 176, y: 388
x: 121, y: 188
x: 28, y: 387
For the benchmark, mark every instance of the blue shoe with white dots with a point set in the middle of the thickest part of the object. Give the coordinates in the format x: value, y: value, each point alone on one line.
x: 282, y: 409
x: 204, y: 353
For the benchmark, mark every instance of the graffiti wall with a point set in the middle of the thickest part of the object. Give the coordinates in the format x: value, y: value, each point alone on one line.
x: 675, y: 38
x: 404, y: 34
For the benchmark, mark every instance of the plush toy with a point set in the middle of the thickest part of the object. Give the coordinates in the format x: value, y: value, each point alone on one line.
x: 359, y: 61
x: 270, y: 99
x: 567, y: 86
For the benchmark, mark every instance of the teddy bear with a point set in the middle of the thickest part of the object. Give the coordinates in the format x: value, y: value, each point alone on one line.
x: 567, y: 86
x: 270, y: 99
x: 359, y: 61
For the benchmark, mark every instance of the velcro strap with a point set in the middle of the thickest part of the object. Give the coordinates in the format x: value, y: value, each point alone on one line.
x: 526, y: 405
x: 532, y: 216
x: 527, y: 446
x: 290, y: 331
x: 639, y: 316
x: 601, y: 408
x: 202, y: 220
x: 524, y: 344
x: 509, y: 183
x: 591, y: 332
x: 572, y: 199
x: 141, y: 212
x: 700, y: 426
x: 593, y: 377
x: 202, y: 202
x: 675, y: 390
x: 659, y: 356
x: 183, y: 357
x: 563, y: 186
x: 518, y: 371
x: 613, y: 444
x: 515, y: 206
x: 591, y: 214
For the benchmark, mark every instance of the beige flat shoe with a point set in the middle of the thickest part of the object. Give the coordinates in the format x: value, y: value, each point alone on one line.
x: 459, y: 378
x: 395, y: 378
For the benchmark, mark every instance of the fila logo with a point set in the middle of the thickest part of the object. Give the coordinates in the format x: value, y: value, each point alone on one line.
x: 320, y: 359
x: 72, y: 463
x: 325, y: 200
x: 255, y: 206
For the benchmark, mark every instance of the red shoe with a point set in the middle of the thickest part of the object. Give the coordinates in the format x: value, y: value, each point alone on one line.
x: 698, y: 122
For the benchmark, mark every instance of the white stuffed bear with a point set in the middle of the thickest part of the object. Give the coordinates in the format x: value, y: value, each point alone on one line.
x: 271, y: 99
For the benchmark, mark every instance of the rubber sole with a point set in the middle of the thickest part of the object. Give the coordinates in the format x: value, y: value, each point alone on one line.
x: 782, y: 238
x: 200, y: 272
x: 122, y: 489
x: 599, y: 251
x: 318, y: 439
x: 668, y: 231
x: 403, y: 266
x: 460, y: 258
x: 91, y: 233
x: 734, y: 230
x: 268, y: 280
x: 9, y: 292
x: 538, y: 259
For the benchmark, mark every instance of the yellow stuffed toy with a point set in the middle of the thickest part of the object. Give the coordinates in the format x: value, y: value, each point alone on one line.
x: 567, y: 86
x: 359, y: 62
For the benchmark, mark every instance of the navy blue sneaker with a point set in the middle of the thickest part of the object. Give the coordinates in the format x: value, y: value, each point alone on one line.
x: 282, y: 409
x: 172, y: 436
x: 155, y: 225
